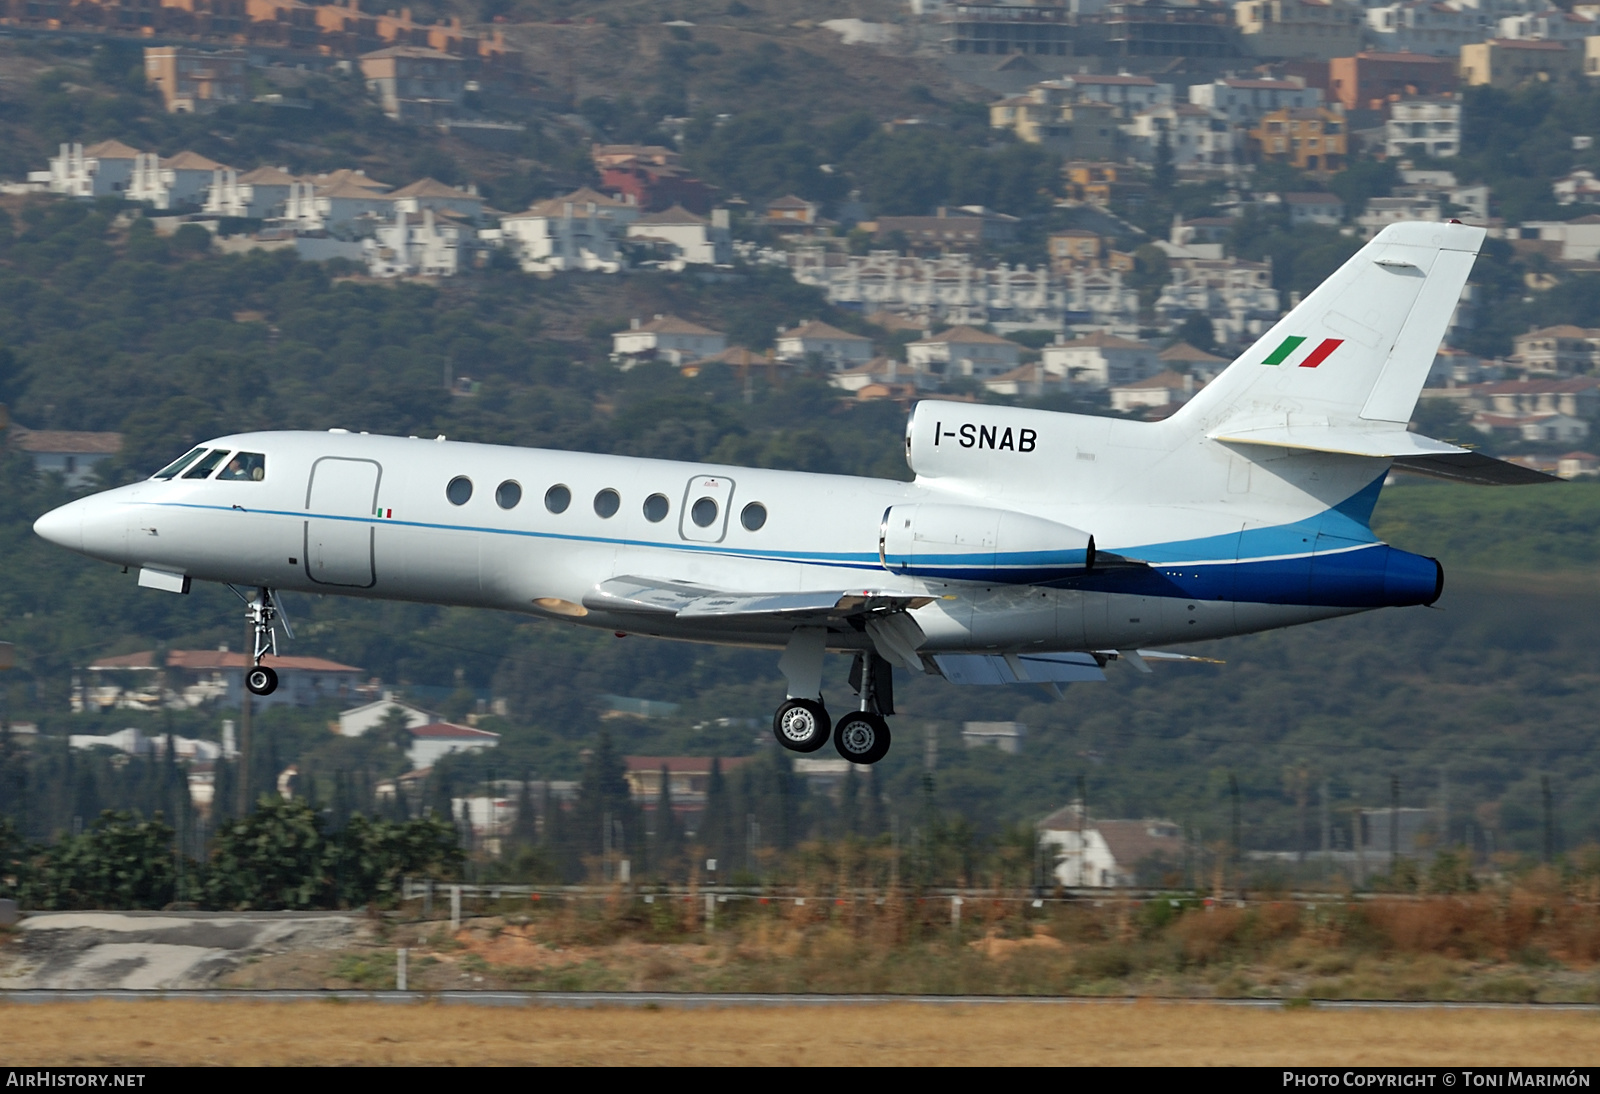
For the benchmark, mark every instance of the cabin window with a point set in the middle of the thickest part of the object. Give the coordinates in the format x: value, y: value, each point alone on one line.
x: 753, y: 517
x: 704, y: 512
x: 203, y: 469
x: 508, y: 495
x: 244, y: 467
x: 557, y: 498
x: 179, y: 464
x: 656, y: 507
x: 607, y: 502
x: 459, y: 492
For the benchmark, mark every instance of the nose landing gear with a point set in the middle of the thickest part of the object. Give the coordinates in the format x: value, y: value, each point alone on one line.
x: 264, y: 613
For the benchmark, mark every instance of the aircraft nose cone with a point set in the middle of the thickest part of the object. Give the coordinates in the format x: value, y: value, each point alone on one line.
x: 63, y: 526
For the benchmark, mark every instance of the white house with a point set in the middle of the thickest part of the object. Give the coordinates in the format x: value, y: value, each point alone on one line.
x: 687, y: 239
x: 1424, y: 26
x: 196, y: 677
x: 1194, y: 134
x: 1243, y: 102
x: 256, y: 194
x: 1129, y: 94
x: 1025, y: 381
x: 579, y: 231
x: 1094, y: 853
x: 1429, y: 126
x: 1579, y: 188
x: 838, y: 349
x: 175, y: 183
x: 1101, y: 360
x: 431, y: 742
x: 336, y: 204
x: 963, y: 351
x: 667, y: 338
x: 358, y: 721
x: 1579, y: 238
x: 97, y: 171
x: 464, y: 202
x: 1164, y: 389
x: 1234, y: 293
x: 1552, y: 25
x: 134, y: 743
x: 73, y: 455
x: 425, y: 246
x: 1313, y: 208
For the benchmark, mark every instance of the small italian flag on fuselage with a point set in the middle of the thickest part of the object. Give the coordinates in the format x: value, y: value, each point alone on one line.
x: 1290, y: 345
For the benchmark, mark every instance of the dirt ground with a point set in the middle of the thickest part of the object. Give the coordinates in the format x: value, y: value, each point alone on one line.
x: 182, y: 1033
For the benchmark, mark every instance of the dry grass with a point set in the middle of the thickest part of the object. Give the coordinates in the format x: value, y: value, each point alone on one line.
x: 182, y: 1033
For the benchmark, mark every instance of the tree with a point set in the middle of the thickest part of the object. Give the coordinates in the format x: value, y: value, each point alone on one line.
x: 668, y: 850
x: 1165, y: 174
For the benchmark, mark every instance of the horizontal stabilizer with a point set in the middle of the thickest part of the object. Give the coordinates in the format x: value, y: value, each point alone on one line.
x: 653, y: 596
x: 1473, y: 467
x: 1343, y: 441
x: 1026, y: 668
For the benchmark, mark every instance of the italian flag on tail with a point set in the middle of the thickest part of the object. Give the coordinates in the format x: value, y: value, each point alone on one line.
x: 1291, y: 344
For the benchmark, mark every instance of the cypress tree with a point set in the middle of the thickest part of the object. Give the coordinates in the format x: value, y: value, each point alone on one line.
x: 669, y: 836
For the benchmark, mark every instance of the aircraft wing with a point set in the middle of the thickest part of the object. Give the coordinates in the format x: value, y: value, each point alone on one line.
x: 682, y: 600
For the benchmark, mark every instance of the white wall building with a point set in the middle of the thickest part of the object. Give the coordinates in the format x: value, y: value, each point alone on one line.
x: 963, y: 351
x: 177, y: 183
x: 579, y: 231
x: 667, y: 338
x: 361, y: 720
x: 1236, y: 295
x: 335, y: 206
x: 97, y: 171
x: 1194, y: 134
x: 1093, y: 853
x: 1424, y: 26
x: 838, y: 349
x: 257, y: 194
x: 412, y: 246
x: 462, y: 202
x: 1101, y: 360
x: 1553, y: 25
x: 1129, y: 94
x: 1243, y: 102
x: 953, y: 288
x: 687, y: 239
x: 1429, y: 126
x: 436, y: 740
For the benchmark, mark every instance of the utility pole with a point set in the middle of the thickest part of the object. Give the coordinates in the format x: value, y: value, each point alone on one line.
x: 1549, y: 821
x: 1327, y: 828
x: 1083, y: 817
x: 1394, y: 825
x: 245, y: 702
x: 1238, y: 852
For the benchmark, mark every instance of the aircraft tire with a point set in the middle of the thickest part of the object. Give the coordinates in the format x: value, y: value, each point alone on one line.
x: 261, y: 680
x: 862, y: 738
x: 801, y: 725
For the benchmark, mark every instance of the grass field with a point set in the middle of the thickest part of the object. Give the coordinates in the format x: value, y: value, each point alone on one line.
x: 183, y: 1033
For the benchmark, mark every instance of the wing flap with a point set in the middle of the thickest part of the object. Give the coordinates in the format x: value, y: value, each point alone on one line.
x: 682, y: 600
x: 1027, y: 668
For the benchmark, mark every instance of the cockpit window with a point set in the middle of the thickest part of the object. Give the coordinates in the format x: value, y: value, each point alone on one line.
x: 203, y: 469
x: 245, y: 467
x: 179, y: 464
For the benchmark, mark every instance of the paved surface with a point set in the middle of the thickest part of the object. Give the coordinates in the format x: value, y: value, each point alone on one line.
x: 145, y: 952
x: 691, y: 1000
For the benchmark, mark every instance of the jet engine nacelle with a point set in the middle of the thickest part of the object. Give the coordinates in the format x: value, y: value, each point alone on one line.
x: 980, y: 442
x: 973, y: 543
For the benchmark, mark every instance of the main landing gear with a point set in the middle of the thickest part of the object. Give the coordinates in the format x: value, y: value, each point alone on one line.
x: 264, y: 613
x: 802, y: 724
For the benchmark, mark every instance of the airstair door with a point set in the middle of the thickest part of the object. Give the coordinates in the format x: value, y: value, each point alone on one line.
x: 341, y: 503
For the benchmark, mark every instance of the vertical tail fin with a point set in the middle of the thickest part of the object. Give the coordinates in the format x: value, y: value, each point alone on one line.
x: 1357, y: 350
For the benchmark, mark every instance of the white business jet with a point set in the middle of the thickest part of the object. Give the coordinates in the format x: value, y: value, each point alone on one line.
x: 1032, y: 547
